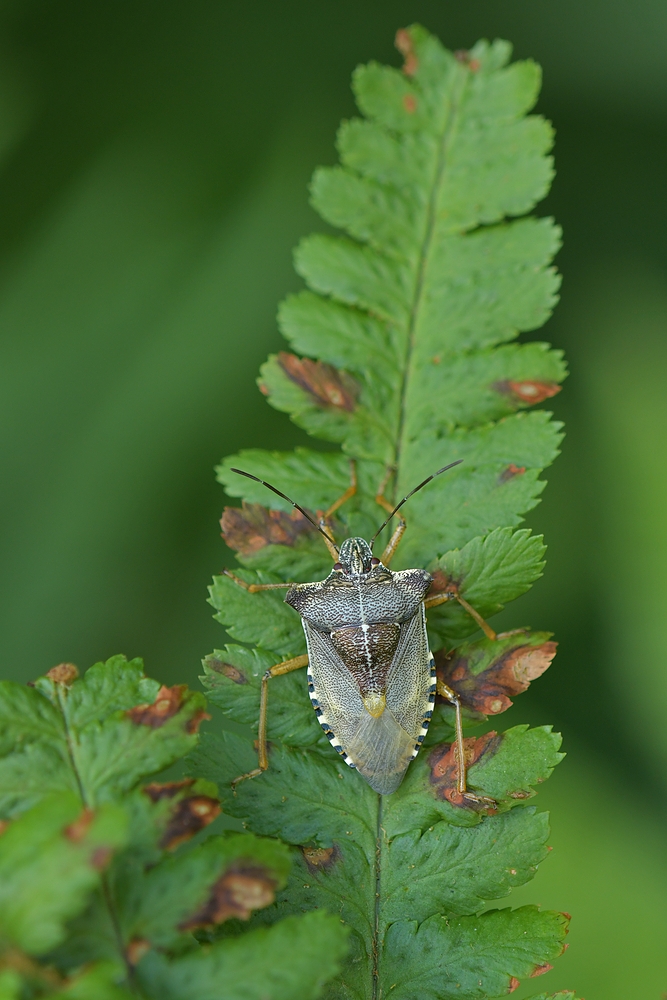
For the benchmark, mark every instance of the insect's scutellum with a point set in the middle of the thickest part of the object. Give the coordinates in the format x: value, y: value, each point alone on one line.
x: 371, y: 674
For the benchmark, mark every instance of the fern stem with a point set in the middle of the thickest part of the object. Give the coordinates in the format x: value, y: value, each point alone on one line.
x: 376, y: 921
x: 441, y: 163
x: 104, y: 880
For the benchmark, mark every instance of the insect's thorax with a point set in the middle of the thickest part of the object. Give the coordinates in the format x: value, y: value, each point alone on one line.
x: 377, y: 597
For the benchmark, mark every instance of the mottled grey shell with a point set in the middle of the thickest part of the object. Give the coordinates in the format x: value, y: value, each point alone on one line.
x: 366, y: 635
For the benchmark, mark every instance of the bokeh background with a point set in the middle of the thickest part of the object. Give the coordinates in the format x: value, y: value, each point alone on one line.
x: 155, y: 156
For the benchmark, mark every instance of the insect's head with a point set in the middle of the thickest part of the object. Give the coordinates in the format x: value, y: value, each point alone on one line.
x: 355, y: 557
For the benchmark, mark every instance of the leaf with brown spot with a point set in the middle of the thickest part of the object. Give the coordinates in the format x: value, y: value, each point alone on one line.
x: 64, y: 673
x: 443, y: 762
x: 190, y: 815
x: 156, y: 790
x: 539, y: 970
x: 77, y: 830
x: 251, y: 527
x: 136, y: 949
x: 166, y: 705
x: 405, y: 46
x: 532, y: 391
x: 487, y: 675
x: 242, y: 889
x: 327, y: 386
x: 320, y: 858
x: 510, y: 471
x: 194, y: 804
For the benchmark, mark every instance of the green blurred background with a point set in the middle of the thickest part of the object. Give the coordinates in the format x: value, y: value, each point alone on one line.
x: 155, y: 158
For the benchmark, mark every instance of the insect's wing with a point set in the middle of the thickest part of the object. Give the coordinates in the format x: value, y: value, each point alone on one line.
x: 411, y: 680
x: 380, y: 748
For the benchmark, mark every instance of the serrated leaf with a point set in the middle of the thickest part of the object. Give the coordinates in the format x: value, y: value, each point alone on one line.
x: 97, y: 735
x: 486, y: 674
x: 489, y: 572
x: 420, y: 843
x: 294, y: 958
x: 404, y: 356
x: 225, y: 877
x: 50, y: 861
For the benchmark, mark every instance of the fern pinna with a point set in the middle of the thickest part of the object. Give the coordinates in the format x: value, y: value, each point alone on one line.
x: 404, y: 356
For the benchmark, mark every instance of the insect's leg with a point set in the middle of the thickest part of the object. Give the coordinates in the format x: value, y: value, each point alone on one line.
x: 253, y: 588
x: 381, y: 499
x: 462, y: 783
x: 344, y: 497
x: 452, y: 595
x: 286, y: 667
x: 326, y: 515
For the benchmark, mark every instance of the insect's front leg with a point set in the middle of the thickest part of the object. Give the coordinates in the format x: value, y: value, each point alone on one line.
x: 453, y: 595
x: 327, y: 514
x: 254, y: 588
x: 286, y: 667
x: 381, y: 499
x: 462, y: 785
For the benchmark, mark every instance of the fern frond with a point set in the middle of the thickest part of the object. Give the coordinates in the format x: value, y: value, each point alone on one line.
x: 403, y: 355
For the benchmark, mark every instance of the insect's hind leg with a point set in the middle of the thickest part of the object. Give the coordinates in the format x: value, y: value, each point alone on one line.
x: 462, y: 783
x: 286, y: 667
x: 399, y: 531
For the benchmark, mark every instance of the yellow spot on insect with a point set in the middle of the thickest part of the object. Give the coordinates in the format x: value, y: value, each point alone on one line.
x: 374, y: 704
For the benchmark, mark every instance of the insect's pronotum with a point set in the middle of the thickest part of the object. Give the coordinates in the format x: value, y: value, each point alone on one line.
x: 371, y: 674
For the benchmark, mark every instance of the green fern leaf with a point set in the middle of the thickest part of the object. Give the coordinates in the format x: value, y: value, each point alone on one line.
x: 403, y: 356
x: 92, y: 871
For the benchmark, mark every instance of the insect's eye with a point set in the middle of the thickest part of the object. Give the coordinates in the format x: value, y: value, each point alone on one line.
x: 338, y: 565
x: 375, y: 561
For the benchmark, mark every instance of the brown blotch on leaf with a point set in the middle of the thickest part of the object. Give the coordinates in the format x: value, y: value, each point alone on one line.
x: 227, y: 669
x: 410, y: 103
x: 101, y: 857
x: 539, y: 970
x: 136, y: 950
x: 64, y: 673
x: 244, y: 887
x: 329, y: 387
x: 4, y: 823
x: 442, y: 584
x: 490, y: 692
x: 463, y: 56
x: 193, y: 724
x: 320, y: 858
x: 167, y: 704
x: 527, y: 390
x: 514, y: 985
x: 404, y: 44
x: 443, y: 762
x: 189, y: 816
x: 510, y: 472
x: 158, y: 790
x: 249, y: 528
x: 77, y: 830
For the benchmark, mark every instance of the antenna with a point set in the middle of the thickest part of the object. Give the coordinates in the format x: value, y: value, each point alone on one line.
x: 411, y: 493
x: 248, y: 475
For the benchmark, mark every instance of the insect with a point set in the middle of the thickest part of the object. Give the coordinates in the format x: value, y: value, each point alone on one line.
x: 371, y: 674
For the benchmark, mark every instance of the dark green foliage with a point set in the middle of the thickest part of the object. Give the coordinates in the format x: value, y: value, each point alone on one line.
x: 403, y: 335
x: 98, y: 899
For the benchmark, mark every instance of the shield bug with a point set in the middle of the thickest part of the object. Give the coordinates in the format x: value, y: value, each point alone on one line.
x: 371, y: 674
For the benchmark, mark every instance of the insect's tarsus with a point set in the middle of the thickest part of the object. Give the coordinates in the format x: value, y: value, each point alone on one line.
x: 249, y: 475
x: 411, y: 493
